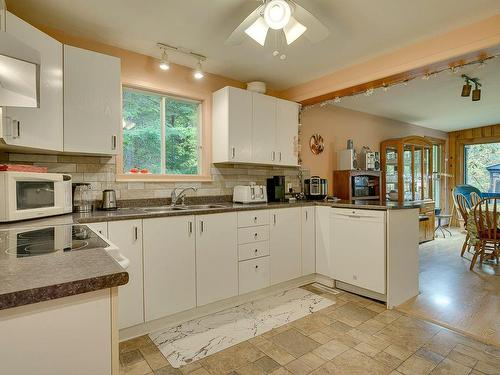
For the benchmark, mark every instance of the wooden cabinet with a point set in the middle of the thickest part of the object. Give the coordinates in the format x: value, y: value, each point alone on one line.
x: 324, y: 259
x: 285, y: 244
x: 232, y: 125
x: 308, y: 245
x: 92, y: 102
x: 427, y: 222
x: 127, y: 235
x: 169, y: 266
x: 287, y: 115
x: 216, y: 257
x: 248, y: 127
x: 42, y: 127
x: 358, y: 248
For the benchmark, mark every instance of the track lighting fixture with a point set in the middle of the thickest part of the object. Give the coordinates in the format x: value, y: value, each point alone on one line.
x: 164, y: 63
x: 198, y: 72
x: 467, y: 87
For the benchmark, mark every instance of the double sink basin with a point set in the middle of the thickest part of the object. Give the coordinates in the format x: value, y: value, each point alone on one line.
x: 184, y: 208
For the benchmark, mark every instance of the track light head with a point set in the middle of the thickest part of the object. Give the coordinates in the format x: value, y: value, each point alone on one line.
x: 198, y: 72
x: 164, y: 63
x: 466, y: 89
x: 476, y: 94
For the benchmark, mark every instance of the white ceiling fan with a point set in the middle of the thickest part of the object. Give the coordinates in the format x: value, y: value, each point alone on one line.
x: 284, y: 15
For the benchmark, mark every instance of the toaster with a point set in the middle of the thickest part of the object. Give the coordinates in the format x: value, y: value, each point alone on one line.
x: 250, y: 194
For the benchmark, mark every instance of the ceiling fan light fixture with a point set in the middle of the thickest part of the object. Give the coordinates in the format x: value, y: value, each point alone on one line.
x: 258, y: 31
x: 277, y: 14
x: 293, y: 30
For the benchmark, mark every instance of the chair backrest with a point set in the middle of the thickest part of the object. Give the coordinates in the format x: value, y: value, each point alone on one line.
x: 463, y: 206
x: 485, y: 218
x: 466, y: 190
x: 474, y: 198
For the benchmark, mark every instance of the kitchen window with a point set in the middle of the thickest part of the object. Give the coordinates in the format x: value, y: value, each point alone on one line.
x: 482, y: 166
x: 162, y: 136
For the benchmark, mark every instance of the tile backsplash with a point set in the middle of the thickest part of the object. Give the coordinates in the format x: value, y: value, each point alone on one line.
x: 101, y: 173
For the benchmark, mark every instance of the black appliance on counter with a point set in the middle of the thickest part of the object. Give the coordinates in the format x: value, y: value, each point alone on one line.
x: 276, y: 189
x: 316, y: 188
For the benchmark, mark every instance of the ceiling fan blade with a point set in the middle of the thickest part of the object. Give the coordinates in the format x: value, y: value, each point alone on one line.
x: 293, y: 30
x: 316, y: 31
x: 238, y: 35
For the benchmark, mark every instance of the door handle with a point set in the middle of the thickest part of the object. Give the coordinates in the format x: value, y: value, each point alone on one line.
x: 274, y: 219
x: 113, y: 142
x: 233, y: 152
x: 190, y: 227
x: 136, y: 233
x: 274, y: 155
x: 306, y: 215
x: 280, y: 155
x: 16, y: 125
x: 202, y: 226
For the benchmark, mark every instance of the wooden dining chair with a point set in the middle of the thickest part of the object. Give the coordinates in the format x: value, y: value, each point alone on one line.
x: 474, y: 198
x: 463, y: 207
x: 488, y: 233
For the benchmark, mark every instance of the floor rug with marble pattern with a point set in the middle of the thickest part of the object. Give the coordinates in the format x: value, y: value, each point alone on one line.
x: 210, y: 334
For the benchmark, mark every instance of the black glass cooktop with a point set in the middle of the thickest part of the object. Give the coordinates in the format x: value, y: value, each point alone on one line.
x: 32, y: 242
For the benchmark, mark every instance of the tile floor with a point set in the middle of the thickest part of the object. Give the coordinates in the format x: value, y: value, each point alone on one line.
x: 353, y: 336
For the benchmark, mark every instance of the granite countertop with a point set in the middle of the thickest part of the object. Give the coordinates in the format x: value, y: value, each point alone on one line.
x: 60, y: 274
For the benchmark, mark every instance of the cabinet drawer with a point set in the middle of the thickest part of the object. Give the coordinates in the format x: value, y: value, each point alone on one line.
x: 253, y: 234
x: 253, y: 250
x: 250, y: 218
x: 254, y: 274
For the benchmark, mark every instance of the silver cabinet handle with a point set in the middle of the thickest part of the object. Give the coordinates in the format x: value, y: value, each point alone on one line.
x: 256, y: 267
x: 273, y: 155
x: 113, y: 142
x: 16, y: 125
x: 190, y: 227
x: 202, y: 226
x: 280, y: 155
x: 274, y: 219
x: 136, y: 233
x: 255, y: 219
x: 306, y: 215
x: 256, y: 235
x: 233, y: 152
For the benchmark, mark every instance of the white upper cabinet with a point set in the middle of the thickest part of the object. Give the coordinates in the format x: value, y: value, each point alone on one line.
x: 42, y: 127
x: 287, y: 128
x: 92, y: 102
x: 285, y: 244
x: 263, y: 131
x: 216, y: 257
x: 248, y: 127
x: 169, y: 266
x: 232, y: 125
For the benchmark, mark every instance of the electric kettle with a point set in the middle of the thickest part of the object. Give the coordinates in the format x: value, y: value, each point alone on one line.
x: 109, y: 200
x: 82, y: 197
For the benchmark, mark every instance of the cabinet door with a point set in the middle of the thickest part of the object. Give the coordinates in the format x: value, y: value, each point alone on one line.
x: 216, y: 257
x: 127, y: 235
x: 324, y: 259
x: 287, y: 128
x: 240, y: 125
x: 169, y: 266
x: 42, y: 127
x: 359, y: 248
x: 285, y: 244
x: 308, y: 241
x: 264, y: 129
x: 92, y: 102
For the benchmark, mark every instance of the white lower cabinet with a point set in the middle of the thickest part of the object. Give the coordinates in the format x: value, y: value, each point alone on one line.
x: 169, y: 266
x: 308, y: 247
x: 216, y: 257
x: 253, y: 274
x: 285, y: 243
x: 127, y: 235
x: 358, y: 247
x: 324, y: 258
x: 101, y: 228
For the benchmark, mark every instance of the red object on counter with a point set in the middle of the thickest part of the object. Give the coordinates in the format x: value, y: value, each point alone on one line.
x: 22, y: 168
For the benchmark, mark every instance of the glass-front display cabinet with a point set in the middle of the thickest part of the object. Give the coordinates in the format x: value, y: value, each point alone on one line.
x: 406, y: 165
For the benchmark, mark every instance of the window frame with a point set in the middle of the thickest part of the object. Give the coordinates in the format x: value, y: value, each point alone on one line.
x: 203, y: 142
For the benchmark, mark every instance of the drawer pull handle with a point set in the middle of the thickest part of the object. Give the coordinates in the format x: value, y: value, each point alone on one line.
x: 255, y: 235
x: 256, y: 251
x: 255, y: 219
x: 256, y: 267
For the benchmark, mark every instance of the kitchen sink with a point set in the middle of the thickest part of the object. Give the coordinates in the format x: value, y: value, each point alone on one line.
x: 164, y: 209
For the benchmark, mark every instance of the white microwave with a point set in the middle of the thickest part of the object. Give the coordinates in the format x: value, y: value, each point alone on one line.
x: 29, y: 195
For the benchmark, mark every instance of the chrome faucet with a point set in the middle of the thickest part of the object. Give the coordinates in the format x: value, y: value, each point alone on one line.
x: 181, y: 195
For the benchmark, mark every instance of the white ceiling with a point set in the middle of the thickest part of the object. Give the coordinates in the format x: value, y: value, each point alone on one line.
x: 436, y: 103
x: 360, y: 30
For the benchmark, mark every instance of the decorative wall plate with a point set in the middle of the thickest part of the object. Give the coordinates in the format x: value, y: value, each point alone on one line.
x: 316, y: 144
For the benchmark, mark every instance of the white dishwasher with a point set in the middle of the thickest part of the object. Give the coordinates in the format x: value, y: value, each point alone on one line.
x: 358, y: 247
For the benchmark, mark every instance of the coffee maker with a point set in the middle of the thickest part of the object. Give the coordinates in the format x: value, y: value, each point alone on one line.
x: 276, y: 189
